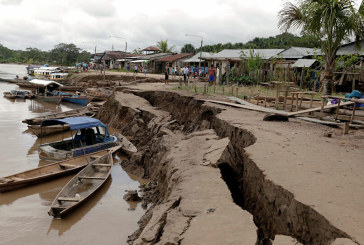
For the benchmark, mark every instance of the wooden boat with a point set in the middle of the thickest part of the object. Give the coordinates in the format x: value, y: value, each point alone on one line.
x: 9, y: 95
x: 42, y: 131
x: 84, y: 111
x: 82, y: 186
x: 99, y: 94
x: 47, y: 172
x: 22, y: 94
x: 76, y: 99
x: 91, y: 136
x: 127, y: 147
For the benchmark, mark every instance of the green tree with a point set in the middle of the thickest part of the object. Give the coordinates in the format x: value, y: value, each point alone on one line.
x: 330, y: 21
x: 163, y: 46
x: 137, y: 51
x: 188, y: 48
x: 64, y: 54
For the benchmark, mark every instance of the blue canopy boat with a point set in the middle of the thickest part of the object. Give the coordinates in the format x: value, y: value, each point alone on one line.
x: 91, y: 136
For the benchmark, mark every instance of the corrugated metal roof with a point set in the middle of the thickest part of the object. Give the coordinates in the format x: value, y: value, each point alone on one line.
x: 153, y: 56
x: 175, y: 57
x: 151, y: 48
x: 196, y: 57
x: 239, y: 53
x: 351, y: 48
x: 304, y: 63
x: 298, y: 53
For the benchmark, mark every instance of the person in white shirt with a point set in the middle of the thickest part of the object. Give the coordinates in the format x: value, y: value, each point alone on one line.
x: 185, y: 73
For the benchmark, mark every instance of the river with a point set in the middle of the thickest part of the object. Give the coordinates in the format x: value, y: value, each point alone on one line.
x: 105, y: 219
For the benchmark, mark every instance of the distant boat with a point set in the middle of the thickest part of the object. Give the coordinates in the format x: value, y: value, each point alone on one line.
x: 88, y: 138
x: 58, y: 76
x: 22, y: 94
x: 47, y: 172
x: 82, y: 186
x: 40, y: 131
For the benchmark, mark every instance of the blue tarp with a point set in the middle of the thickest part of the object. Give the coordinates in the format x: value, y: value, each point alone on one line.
x: 75, y: 122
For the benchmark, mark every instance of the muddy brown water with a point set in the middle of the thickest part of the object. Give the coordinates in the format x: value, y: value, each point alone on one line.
x: 105, y: 219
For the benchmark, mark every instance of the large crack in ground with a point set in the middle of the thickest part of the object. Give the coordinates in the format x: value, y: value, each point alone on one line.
x: 166, y: 132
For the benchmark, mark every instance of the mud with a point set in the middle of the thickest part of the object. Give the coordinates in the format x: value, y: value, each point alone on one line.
x: 208, y: 188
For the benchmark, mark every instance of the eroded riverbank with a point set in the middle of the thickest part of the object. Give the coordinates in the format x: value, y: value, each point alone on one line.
x: 212, y: 185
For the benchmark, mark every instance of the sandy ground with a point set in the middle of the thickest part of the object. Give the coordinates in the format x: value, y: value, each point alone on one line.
x: 324, y: 173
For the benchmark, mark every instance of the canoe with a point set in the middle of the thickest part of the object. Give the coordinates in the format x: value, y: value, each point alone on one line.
x: 72, y: 113
x: 82, y: 186
x: 51, y: 99
x: 127, y: 147
x: 99, y: 94
x: 47, y: 130
x: 47, y: 172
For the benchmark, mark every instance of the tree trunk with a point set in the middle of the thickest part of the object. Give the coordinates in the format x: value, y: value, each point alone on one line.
x: 328, y: 82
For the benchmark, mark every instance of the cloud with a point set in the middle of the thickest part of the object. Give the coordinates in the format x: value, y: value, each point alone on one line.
x: 11, y: 2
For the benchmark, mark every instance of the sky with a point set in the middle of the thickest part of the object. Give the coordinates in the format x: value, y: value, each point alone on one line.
x: 140, y: 23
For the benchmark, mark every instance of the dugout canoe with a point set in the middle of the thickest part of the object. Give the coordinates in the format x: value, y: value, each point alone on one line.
x: 82, y: 186
x: 47, y: 172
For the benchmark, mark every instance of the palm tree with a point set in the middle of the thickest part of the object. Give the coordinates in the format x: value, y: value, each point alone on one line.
x: 331, y: 21
x: 188, y: 48
x: 163, y: 46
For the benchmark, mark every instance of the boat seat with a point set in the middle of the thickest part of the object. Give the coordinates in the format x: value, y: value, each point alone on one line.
x: 65, y: 165
x: 68, y: 199
x: 86, y: 177
x: 101, y: 165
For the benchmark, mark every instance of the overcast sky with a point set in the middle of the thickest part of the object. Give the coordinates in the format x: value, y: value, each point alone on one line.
x: 45, y: 23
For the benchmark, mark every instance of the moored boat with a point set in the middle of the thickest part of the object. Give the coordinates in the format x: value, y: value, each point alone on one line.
x: 83, y: 111
x: 9, y: 95
x: 91, y: 136
x: 82, y: 186
x: 45, y: 90
x: 76, y: 99
x: 99, y: 94
x: 47, y: 130
x: 22, y: 94
x: 47, y: 172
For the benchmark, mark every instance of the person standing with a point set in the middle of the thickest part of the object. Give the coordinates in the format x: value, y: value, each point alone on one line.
x: 166, y: 73
x: 211, y: 74
x: 185, y: 73
x: 127, y: 68
x: 135, y: 69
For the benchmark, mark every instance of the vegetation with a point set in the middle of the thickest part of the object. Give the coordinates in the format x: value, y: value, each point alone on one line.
x: 61, y: 54
x: 330, y: 21
x: 188, y: 48
x: 163, y: 46
x: 281, y: 41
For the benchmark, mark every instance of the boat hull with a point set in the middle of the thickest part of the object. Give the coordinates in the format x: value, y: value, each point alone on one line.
x: 47, y: 130
x: 47, y: 172
x: 82, y: 186
x: 82, y: 100
x: 49, y: 153
x: 51, y: 99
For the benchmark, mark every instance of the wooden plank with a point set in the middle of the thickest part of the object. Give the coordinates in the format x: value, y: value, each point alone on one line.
x: 352, y: 116
x: 248, y: 107
x: 101, y: 165
x: 68, y: 199
x: 318, y: 108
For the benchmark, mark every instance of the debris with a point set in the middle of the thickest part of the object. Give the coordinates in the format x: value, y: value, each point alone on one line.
x: 132, y: 196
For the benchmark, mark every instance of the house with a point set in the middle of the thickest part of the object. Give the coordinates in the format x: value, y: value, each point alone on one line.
x: 148, y: 62
x: 175, y: 60
x: 115, y: 59
x: 195, y: 60
x: 295, y: 53
x: 151, y: 50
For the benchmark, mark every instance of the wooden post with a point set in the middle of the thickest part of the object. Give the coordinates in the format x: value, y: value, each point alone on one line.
x: 346, y: 127
x: 223, y: 89
x: 301, y: 101
x: 352, y: 116
x: 285, y: 99
x: 292, y: 99
x: 353, y: 85
x: 277, y: 98
x: 296, y: 102
x: 214, y: 88
x: 237, y: 92
x: 337, y: 110
x: 265, y: 99
x: 232, y: 90
x: 311, y: 101
x: 258, y: 97
x: 104, y: 74
x: 250, y: 94
x: 322, y: 108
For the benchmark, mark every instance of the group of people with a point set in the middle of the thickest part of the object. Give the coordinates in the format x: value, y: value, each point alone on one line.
x: 136, y: 69
x: 187, y: 72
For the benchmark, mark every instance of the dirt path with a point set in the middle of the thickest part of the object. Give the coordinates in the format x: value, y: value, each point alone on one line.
x: 220, y: 168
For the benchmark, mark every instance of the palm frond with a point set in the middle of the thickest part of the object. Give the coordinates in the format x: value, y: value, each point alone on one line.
x: 290, y: 16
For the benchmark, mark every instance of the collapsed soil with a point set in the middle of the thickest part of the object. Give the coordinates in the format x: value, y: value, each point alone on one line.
x: 225, y: 176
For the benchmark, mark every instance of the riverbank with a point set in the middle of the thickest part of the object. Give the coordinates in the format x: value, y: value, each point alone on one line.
x: 225, y: 176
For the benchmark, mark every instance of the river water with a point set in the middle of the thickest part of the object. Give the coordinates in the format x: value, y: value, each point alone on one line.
x: 105, y: 219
